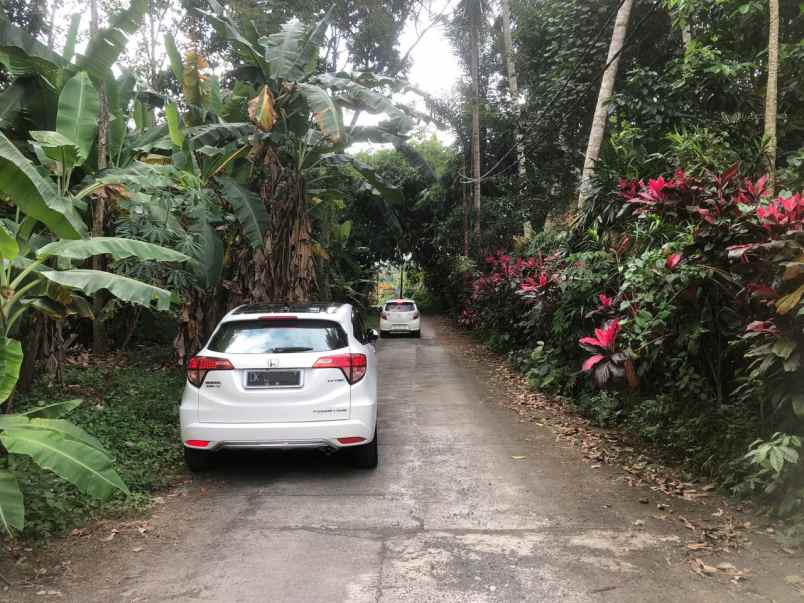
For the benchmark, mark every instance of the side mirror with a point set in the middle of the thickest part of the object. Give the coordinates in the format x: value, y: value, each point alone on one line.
x: 372, y: 336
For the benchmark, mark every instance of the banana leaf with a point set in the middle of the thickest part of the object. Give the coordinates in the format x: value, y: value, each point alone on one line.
x: 89, y: 469
x: 12, y: 507
x: 35, y: 195
x: 248, y: 208
x: 53, y: 411
x: 10, y: 363
x: 121, y: 287
x: 117, y: 247
x: 106, y: 46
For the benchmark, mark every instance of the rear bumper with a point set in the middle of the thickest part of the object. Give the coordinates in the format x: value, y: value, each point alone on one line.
x: 400, y: 327
x: 311, y: 434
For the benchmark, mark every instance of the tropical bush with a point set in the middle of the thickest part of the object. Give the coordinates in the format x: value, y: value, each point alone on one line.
x: 680, y: 314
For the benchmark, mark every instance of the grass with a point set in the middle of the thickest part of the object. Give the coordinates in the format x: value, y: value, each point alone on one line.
x: 133, y: 411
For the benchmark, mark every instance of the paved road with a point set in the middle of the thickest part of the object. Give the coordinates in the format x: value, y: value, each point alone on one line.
x: 448, y: 516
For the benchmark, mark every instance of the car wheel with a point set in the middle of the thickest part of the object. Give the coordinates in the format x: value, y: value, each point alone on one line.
x: 197, y: 460
x: 417, y: 334
x: 383, y: 333
x: 365, y: 456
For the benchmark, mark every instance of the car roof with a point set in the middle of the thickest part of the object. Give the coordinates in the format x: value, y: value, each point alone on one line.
x: 311, y: 310
x: 400, y: 301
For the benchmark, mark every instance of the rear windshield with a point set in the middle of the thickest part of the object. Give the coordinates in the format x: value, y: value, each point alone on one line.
x: 400, y: 307
x: 278, y: 337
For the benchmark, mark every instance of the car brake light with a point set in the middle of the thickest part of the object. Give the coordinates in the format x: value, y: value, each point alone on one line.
x: 353, y: 366
x: 199, y: 366
x: 384, y: 315
x: 197, y: 443
x: 415, y: 315
x: 351, y: 440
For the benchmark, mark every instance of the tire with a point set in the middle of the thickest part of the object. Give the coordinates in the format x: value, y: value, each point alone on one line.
x: 365, y: 456
x: 197, y: 461
x: 417, y: 334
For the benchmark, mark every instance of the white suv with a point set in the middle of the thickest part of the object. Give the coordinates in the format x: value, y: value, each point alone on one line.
x: 277, y: 376
x: 400, y: 316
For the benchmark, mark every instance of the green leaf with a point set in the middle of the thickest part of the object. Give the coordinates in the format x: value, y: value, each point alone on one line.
x: 22, y: 54
x: 68, y: 429
x: 10, y: 363
x: 359, y: 98
x: 35, y: 195
x: 798, y: 405
x: 11, y: 103
x: 53, y: 411
x: 12, y: 507
x: 326, y: 114
x: 77, y: 118
x: 123, y: 288
x: 783, y: 347
x: 57, y: 148
x: 248, y: 209
x: 776, y: 459
x: 175, y: 127
x: 9, y: 248
x: 118, y: 248
x: 106, y: 46
x: 285, y: 52
x: 209, y: 266
x: 176, y: 65
x: 88, y: 468
x: 72, y: 35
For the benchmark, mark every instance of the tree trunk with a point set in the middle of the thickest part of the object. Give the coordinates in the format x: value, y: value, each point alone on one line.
x: 465, y: 199
x: 513, y: 87
x: 606, y: 90
x: 283, y: 271
x: 475, y: 52
x: 771, y: 99
x: 100, y: 341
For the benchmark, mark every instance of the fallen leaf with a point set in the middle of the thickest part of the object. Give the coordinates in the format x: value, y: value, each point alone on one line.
x: 518, y: 458
x: 697, y: 546
x: 111, y: 535
x: 136, y: 549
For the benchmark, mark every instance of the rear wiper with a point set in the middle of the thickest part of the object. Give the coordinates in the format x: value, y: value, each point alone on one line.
x: 289, y: 350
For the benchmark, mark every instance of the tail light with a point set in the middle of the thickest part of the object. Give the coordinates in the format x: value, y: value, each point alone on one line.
x: 415, y: 315
x: 384, y: 315
x: 353, y: 366
x: 199, y: 366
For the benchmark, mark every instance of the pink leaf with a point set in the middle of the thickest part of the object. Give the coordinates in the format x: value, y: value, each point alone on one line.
x: 673, y: 261
x: 590, y: 362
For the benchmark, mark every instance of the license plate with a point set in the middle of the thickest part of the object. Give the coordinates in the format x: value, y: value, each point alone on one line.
x: 399, y: 327
x: 273, y: 379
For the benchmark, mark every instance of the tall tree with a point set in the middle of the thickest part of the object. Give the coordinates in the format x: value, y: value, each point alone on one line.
x: 606, y: 89
x: 771, y: 94
x: 474, y: 8
x: 513, y: 85
x: 100, y: 342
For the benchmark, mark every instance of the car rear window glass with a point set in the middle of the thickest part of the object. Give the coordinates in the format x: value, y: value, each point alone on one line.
x: 400, y: 307
x: 278, y: 336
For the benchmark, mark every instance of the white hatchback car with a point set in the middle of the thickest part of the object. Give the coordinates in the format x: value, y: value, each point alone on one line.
x: 277, y: 376
x: 400, y: 316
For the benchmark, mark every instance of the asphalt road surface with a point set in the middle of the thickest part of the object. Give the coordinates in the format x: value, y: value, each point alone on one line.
x: 453, y: 513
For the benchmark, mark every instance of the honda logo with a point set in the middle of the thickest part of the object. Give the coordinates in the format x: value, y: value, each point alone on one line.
x: 273, y: 363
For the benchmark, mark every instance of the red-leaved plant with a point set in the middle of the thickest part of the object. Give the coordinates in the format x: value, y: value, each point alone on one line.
x: 606, y: 362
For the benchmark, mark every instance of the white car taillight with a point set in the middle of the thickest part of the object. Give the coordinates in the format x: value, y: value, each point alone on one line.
x: 353, y: 366
x: 199, y: 366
